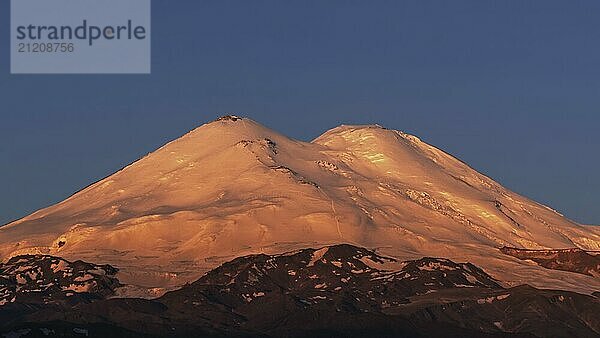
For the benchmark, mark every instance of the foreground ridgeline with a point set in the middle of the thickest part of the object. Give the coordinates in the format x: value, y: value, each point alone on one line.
x: 335, y: 291
x: 42, y: 279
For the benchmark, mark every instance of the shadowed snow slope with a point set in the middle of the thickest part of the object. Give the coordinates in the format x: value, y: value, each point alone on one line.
x: 234, y: 187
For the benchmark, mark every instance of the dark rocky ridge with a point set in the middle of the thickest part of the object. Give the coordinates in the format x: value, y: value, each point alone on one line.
x: 337, y: 291
x: 42, y: 279
x: 573, y: 260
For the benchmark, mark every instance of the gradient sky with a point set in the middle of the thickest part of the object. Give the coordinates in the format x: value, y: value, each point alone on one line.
x: 510, y: 87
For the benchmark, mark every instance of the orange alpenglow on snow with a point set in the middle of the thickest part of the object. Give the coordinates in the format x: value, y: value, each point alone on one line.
x: 233, y: 187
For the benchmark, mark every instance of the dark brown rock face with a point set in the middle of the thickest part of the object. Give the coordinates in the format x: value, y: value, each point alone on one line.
x: 573, y: 260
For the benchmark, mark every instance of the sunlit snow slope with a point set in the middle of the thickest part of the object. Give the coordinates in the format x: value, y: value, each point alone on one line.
x: 233, y: 187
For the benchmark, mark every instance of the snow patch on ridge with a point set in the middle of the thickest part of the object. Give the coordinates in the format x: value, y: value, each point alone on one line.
x: 317, y: 256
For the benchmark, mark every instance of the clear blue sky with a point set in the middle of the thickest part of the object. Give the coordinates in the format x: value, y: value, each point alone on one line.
x: 510, y: 87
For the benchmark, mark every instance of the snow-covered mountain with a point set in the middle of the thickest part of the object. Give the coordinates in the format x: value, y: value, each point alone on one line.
x: 234, y: 187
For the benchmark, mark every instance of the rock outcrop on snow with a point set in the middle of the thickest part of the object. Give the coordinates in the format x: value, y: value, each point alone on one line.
x: 574, y: 260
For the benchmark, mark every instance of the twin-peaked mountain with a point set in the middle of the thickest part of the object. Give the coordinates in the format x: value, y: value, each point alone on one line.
x: 233, y: 187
